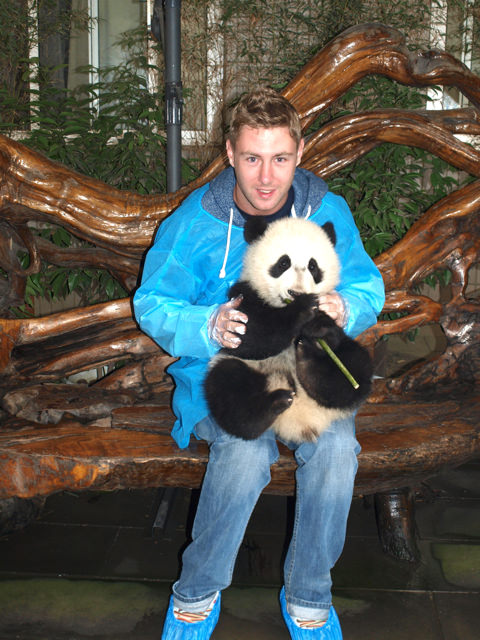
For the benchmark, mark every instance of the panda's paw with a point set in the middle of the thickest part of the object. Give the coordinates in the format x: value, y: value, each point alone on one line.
x: 333, y: 336
x: 280, y: 400
x: 305, y: 308
x: 323, y: 326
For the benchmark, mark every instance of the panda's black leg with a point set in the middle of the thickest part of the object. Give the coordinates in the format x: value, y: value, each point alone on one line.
x: 324, y: 381
x: 240, y: 401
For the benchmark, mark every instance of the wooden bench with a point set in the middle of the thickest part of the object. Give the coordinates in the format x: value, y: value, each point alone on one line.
x: 114, y: 433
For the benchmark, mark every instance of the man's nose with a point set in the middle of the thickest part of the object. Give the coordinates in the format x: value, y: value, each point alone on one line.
x: 265, y: 172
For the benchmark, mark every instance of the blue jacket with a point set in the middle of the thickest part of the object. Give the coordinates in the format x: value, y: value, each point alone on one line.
x: 197, y: 256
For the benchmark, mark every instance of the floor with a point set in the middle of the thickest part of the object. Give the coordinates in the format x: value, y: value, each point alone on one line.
x: 94, y: 567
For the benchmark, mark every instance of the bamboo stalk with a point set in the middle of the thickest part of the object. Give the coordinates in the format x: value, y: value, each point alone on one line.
x: 338, y: 362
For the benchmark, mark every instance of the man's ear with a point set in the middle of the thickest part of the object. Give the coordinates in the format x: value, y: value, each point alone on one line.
x: 330, y: 231
x: 301, y: 146
x: 229, y: 148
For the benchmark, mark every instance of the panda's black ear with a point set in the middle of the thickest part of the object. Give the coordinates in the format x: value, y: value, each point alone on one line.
x: 254, y: 228
x: 330, y: 231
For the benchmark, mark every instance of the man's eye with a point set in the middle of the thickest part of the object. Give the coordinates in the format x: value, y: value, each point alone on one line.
x: 251, y: 159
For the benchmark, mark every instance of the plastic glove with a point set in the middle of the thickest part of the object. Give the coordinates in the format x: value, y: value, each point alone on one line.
x: 334, y: 305
x: 226, y: 324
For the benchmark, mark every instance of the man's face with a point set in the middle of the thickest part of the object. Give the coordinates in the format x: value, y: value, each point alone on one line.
x: 264, y: 161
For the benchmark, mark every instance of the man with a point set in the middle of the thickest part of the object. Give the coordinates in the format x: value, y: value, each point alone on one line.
x: 182, y: 304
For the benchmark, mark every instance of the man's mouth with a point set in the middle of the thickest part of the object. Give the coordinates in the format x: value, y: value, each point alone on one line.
x: 265, y: 193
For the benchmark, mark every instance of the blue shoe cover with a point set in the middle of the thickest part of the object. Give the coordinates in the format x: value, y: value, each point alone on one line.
x: 330, y: 630
x: 174, y: 629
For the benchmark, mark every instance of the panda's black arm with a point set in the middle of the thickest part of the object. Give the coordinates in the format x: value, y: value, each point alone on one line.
x: 270, y: 330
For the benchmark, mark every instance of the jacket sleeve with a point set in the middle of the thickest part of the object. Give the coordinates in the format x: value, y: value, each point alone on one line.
x: 165, y: 303
x: 361, y: 284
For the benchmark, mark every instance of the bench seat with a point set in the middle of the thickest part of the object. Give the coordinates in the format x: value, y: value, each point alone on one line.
x: 411, y: 437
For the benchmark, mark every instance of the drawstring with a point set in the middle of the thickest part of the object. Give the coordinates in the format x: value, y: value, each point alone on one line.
x: 222, y: 272
x: 294, y: 213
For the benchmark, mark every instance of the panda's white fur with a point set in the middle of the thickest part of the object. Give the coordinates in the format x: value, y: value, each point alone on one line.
x: 285, y: 269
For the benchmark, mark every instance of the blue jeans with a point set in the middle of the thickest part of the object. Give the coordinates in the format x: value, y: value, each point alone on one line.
x: 237, y: 472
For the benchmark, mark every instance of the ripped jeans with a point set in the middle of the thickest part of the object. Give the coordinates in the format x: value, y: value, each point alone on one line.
x: 237, y: 472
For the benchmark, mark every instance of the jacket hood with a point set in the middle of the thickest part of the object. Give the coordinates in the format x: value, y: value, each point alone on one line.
x: 308, y: 188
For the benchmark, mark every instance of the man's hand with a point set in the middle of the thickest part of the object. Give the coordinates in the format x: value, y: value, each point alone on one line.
x: 227, y: 323
x: 334, y: 305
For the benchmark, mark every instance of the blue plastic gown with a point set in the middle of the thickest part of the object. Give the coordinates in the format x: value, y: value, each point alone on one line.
x: 182, y: 284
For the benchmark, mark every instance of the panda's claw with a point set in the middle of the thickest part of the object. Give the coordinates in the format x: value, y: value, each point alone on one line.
x: 281, y: 399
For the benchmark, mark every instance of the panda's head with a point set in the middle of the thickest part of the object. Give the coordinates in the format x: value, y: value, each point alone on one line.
x: 288, y: 257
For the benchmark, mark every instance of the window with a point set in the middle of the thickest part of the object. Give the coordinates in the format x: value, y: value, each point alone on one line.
x: 98, y: 47
x: 456, y: 29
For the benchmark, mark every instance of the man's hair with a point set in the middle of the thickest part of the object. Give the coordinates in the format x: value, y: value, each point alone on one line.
x: 264, y: 108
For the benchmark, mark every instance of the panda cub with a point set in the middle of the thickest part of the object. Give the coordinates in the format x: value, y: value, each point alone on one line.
x: 280, y: 377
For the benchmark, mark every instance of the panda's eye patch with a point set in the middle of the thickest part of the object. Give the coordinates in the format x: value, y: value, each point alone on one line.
x: 317, y: 273
x: 280, y: 266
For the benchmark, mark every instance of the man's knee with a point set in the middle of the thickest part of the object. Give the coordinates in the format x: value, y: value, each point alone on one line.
x: 241, y: 461
x: 335, y: 447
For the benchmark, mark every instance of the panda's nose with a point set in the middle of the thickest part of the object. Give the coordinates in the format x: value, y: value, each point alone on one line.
x: 293, y: 294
